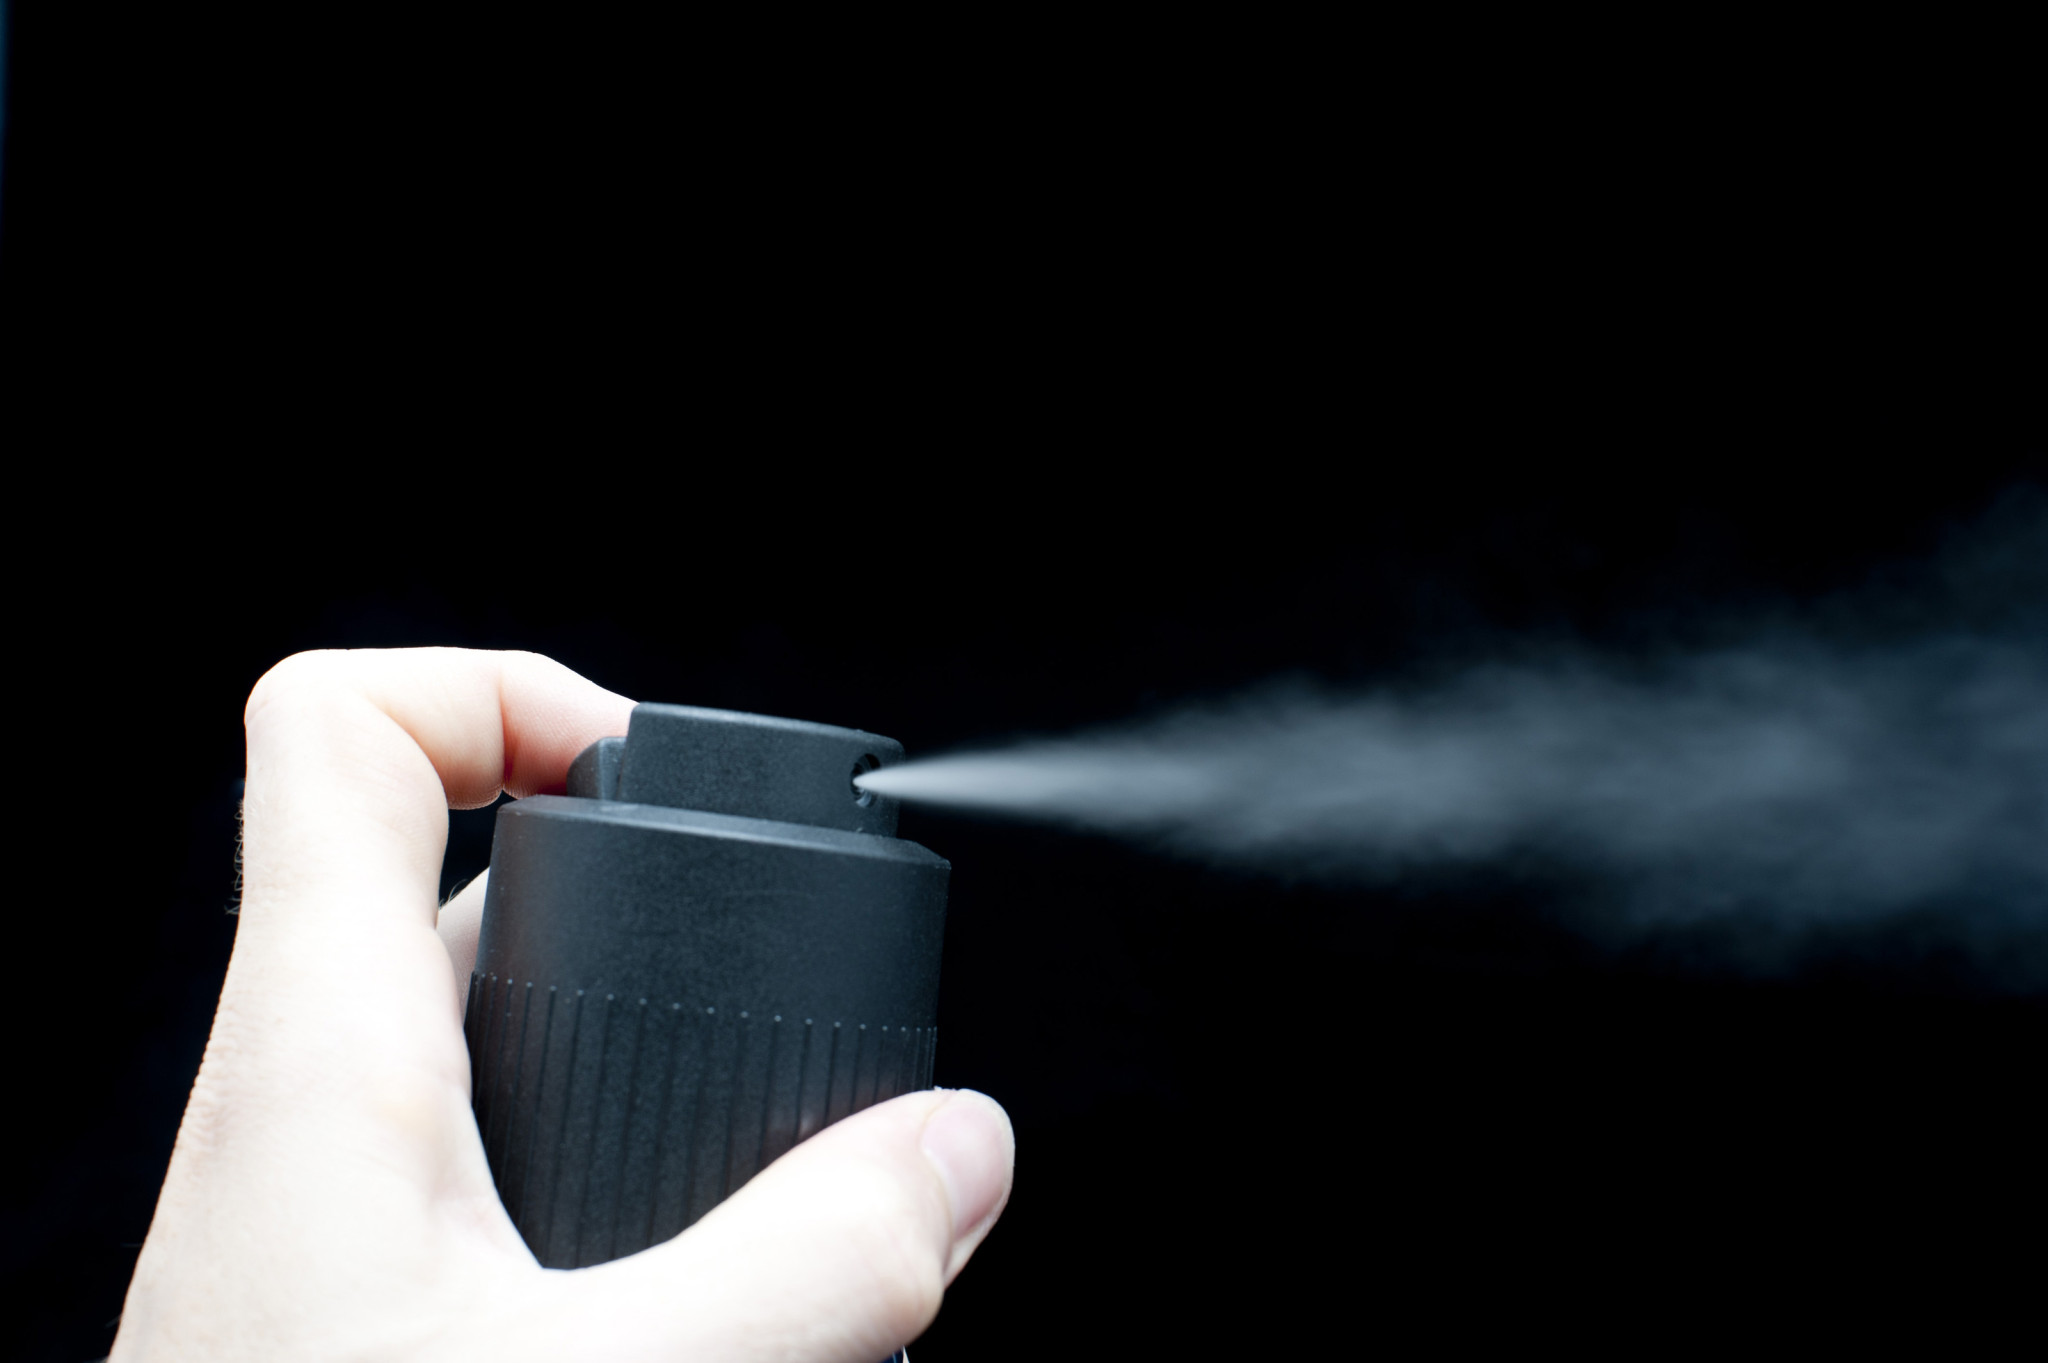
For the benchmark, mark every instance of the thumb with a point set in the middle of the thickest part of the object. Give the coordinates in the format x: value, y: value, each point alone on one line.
x: 839, y: 1252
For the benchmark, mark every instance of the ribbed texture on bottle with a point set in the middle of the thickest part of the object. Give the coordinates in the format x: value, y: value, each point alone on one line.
x: 614, y: 1123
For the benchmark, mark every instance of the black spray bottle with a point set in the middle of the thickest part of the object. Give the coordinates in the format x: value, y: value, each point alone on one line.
x: 711, y: 947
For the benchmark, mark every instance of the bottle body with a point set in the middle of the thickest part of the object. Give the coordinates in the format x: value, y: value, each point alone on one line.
x: 665, y: 1000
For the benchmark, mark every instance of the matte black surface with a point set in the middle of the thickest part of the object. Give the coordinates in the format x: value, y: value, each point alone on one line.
x: 637, y: 898
x: 594, y: 775
x: 730, y: 763
x: 667, y: 998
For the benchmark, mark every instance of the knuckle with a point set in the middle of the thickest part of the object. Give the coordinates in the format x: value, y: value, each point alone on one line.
x: 293, y: 680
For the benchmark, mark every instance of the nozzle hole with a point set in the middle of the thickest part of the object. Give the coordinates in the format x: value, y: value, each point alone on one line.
x: 868, y: 762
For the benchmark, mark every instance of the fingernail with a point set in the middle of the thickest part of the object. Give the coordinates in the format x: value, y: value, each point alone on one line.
x: 968, y: 1142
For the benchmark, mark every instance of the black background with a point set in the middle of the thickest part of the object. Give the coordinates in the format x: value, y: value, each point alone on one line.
x: 954, y: 402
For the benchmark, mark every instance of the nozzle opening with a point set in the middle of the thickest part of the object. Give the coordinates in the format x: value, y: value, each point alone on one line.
x: 868, y: 762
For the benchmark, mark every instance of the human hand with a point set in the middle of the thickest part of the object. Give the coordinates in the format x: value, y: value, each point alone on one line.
x: 328, y: 1195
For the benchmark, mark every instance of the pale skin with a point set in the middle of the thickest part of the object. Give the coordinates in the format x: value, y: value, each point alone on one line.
x: 328, y: 1197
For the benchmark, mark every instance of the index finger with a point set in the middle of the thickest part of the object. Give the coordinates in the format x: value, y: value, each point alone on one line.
x: 336, y: 1043
x: 356, y: 757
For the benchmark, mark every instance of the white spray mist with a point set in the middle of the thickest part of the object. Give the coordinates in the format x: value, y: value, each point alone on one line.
x: 1815, y: 779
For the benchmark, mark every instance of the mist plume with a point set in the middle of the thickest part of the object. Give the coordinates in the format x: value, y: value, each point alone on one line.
x: 1884, y: 749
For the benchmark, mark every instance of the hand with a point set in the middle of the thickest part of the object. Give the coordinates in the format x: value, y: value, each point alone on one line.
x: 328, y: 1196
